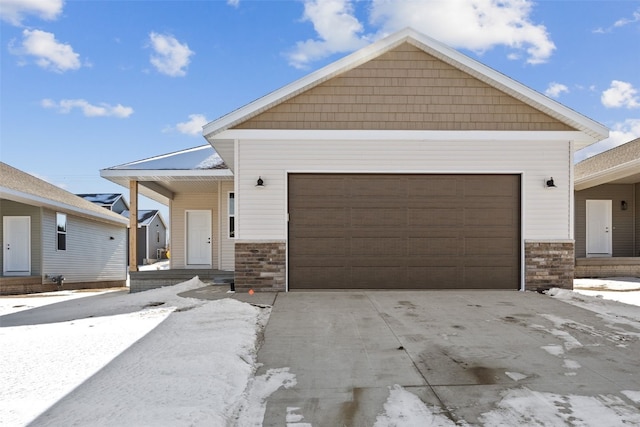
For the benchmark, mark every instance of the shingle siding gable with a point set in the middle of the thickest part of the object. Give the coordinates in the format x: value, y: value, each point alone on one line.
x: 404, y: 89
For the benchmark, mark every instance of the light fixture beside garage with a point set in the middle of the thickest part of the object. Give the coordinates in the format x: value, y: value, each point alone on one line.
x: 624, y: 205
x: 260, y: 183
x: 548, y: 183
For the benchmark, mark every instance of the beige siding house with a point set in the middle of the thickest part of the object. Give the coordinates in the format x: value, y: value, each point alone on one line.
x: 607, y: 212
x: 405, y: 165
x: 48, y: 233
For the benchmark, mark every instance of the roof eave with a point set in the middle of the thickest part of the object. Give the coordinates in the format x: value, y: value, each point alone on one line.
x: 607, y: 175
x: 30, y: 199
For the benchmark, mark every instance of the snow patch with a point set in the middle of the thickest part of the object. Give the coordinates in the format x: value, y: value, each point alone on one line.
x: 634, y: 396
x: 516, y: 376
x: 405, y: 409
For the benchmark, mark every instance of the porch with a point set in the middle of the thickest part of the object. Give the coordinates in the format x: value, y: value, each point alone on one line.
x: 607, y: 267
x: 151, y: 279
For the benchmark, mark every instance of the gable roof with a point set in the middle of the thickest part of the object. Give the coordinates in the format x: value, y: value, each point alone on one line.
x: 619, y: 165
x: 145, y: 216
x: 21, y: 187
x: 160, y: 177
x: 101, y: 198
x: 591, y: 130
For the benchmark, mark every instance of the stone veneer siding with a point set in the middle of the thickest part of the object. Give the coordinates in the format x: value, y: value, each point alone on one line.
x: 549, y: 264
x: 260, y: 266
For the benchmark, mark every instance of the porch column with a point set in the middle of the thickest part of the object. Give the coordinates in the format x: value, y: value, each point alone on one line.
x: 133, y: 225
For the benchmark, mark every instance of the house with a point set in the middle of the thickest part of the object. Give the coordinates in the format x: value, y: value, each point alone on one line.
x: 405, y: 165
x: 152, y: 236
x: 49, y: 234
x: 115, y: 202
x: 152, y: 230
x: 607, y: 211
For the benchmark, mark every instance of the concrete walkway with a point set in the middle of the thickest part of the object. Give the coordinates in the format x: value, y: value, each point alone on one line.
x: 459, y: 351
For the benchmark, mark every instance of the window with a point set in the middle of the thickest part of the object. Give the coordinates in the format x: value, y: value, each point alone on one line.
x: 61, y: 231
x: 232, y: 216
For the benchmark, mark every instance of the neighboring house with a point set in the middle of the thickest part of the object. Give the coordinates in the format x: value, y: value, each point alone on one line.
x: 152, y: 230
x: 152, y: 236
x: 405, y: 165
x: 115, y: 202
x: 48, y: 233
x: 607, y: 211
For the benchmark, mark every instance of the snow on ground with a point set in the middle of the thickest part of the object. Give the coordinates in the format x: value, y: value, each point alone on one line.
x: 182, y: 362
x: 168, y: 360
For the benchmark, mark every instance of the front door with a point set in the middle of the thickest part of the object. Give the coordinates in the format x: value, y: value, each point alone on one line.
x: 199, y: 238
x: 16, y: 245
x: 599, y: 228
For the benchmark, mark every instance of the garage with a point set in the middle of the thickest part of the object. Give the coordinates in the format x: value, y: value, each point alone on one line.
x: 404, y: 231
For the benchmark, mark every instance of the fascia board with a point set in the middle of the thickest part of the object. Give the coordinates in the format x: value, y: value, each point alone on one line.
x: 400, y: 135
x: 143, y: 174
x: 611, y: 174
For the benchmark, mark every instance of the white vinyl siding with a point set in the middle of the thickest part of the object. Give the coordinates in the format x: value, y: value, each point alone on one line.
x: 91, y: 256
x: 261, y: 213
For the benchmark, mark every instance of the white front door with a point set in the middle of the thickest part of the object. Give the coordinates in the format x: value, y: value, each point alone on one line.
x: 16, y: 238
x: 198, y: 238
x: 599, y: 228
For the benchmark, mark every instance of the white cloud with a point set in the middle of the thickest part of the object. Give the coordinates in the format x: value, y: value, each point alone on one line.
x: 621, y: 133
x: 556, y: 89
x: 171, y: 57
x: 622, y: 22
x: 193, y: 126
x: 14, y: 11
x: 49, y: 53
x: 233, y: 3
x: 477, y: 25
x: 89, y: 110
x: 620, y: 94
x: 337, y: 28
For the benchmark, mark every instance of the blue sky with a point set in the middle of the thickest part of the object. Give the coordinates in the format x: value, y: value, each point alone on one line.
x: 87, y: 85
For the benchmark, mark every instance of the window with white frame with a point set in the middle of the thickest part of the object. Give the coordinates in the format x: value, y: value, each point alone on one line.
x: 232, y: 215
x: 61, y: 231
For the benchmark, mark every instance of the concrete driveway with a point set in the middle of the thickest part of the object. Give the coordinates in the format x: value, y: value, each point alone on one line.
x: 462, y: 352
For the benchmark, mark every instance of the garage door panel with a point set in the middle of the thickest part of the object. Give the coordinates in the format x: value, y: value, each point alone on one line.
x: 404, y: 231
x: 427, y: 216
x: 322, y: 246
x: 489, y: 217
x: 383, y: 217
x: 432, y: 246
x: 364, y: 277
x: 378, y: 247
x: 495, y: 247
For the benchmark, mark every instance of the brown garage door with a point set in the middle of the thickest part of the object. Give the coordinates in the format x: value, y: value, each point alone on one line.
x: 371, y: 231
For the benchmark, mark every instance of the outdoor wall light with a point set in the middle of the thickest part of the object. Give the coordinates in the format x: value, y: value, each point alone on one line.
x: 624, y: 205
x: 260, y: 183
x: 549, y: 183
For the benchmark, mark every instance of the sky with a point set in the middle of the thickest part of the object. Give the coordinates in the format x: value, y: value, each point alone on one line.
x: 86, y: 85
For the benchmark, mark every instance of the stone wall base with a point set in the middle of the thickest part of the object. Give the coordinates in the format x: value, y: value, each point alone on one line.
x: 608, y: 267
x: 260, y: 266
x: 549, y: 264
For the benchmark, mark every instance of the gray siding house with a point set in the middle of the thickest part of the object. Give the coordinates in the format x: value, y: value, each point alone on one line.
x: 48, y: 232
x: 607, y: 213
x: 152, y: 230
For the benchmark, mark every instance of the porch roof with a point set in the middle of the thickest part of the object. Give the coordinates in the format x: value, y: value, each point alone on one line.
x: 161, y: 177
x: 620, y: 165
